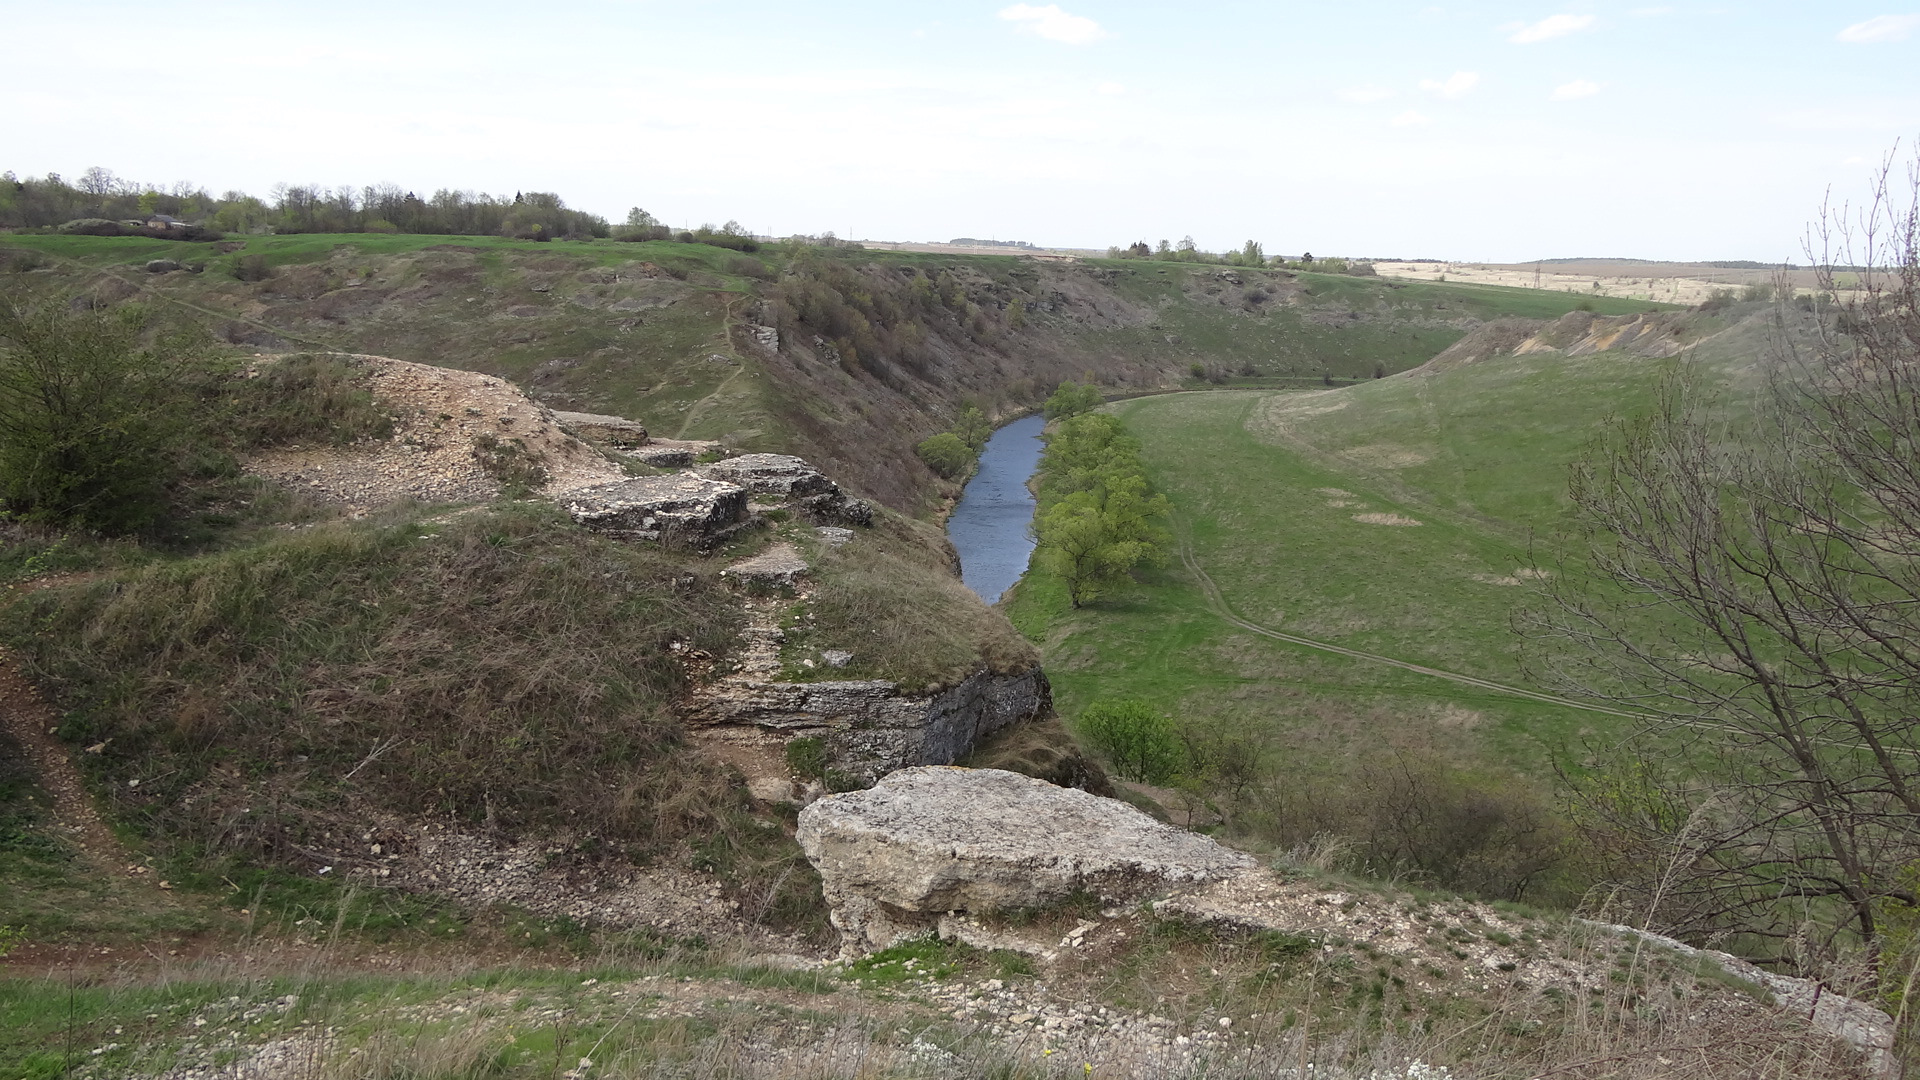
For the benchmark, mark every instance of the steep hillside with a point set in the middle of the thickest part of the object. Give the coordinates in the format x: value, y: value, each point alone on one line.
x: 848, y: 358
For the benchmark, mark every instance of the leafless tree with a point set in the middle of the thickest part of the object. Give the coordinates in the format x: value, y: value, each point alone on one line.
x: 1750, y: 580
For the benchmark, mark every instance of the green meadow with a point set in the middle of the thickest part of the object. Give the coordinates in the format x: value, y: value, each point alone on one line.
x: 1406, y: 518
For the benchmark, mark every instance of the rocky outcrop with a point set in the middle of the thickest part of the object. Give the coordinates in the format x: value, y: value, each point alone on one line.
x: 927, y: 842
x: 793, y: 481
x: 677, y: 509
x: 615, y: 431
x: 869, y: 726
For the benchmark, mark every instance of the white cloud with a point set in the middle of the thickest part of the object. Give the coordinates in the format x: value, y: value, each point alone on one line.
x: 1053, y: 24
x: 1363, y: 94
x: 1880, y: 28
x: 1111, y: 88
x: 1457, y: 85
x: 1578, y: 88
x: 1408, y: 119
x: 1552, y: 26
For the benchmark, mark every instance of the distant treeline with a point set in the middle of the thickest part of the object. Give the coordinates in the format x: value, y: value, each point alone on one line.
x: 100, y: 196
x: 1250, y: 254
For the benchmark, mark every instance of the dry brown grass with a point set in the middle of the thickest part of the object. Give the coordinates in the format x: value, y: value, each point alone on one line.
x: 890, y: 598
x: 503, y: 667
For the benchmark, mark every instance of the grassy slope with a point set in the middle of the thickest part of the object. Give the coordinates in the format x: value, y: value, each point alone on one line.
x: 1265, y: 487
x: 594, y: 326
x: 1324, y: 324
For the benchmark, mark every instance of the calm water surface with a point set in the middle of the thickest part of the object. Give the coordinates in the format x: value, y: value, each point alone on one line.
x: 989, y: 527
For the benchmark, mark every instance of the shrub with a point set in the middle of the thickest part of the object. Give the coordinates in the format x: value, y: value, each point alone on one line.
x: 251, y: 268
x: 1139, y: 742
x: 94, y: 423
x: 93, y: 227
x: 1072, y: 399
x: 946, y: 455
x: 1719, y: 300
x: 746, y: 266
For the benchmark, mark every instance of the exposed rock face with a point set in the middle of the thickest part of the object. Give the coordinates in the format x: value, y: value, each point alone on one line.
x: 680, y: 509
x: 870, y: 727
x: 664, y: 457
x: 792, y: 480
x: 928, y: 841
x: 612, y: 430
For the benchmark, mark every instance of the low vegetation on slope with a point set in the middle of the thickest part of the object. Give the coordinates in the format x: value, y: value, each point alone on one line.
x: 791, y: 347
x: 503, y: 666
x: 257, y: 679
x: 894, y: 602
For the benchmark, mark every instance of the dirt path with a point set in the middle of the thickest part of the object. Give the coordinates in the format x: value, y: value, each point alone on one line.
x: 740, y: 367
x: 76, y: 819
x: 25, y: 716
x: 1218, y: 603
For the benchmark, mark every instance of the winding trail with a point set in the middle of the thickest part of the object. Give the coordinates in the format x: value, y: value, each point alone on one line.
x: 1218, y: 603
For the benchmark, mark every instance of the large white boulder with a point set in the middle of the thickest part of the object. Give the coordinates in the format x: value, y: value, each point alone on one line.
x: 927, y: 841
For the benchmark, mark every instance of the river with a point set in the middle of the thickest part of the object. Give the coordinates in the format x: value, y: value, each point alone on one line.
x: 989, y: 527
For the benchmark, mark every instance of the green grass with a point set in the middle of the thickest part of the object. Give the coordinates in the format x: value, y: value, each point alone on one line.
x: 1326, y: 324
x: 1266, y: 487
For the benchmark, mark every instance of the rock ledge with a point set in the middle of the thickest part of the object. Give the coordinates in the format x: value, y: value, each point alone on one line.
x: 927, y: 841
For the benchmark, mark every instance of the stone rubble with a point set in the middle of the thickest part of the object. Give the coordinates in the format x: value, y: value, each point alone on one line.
x: 615, y: 431
x: 439, y: 416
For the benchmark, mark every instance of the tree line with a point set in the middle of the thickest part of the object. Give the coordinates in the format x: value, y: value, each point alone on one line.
x: 1251, y: 254
x: 100, y: 196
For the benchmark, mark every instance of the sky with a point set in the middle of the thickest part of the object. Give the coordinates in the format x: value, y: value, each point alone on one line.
x: 1475, y: 131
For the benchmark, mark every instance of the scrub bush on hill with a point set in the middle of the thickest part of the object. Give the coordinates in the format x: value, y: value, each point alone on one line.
x: 1136, y: 740
x: 112, y: 424
x: 877, y: 318
x: 947, y: 455
x: 96, y: 422
x: 1072, y: 399
x: 952, y: 453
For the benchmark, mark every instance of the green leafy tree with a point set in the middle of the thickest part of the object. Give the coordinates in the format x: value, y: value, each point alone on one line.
x: 1138, y: 741
x: 1072, y: 399
x: 1099, y: 518
x: 95, y: 421
x: 946, y: 454
x: 973, y: 428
